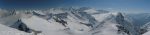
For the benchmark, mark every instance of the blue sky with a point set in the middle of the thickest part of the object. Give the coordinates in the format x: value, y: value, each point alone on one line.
x: 129, y: 6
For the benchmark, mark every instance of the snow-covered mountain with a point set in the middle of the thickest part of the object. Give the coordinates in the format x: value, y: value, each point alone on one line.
x: 141, y: 22
x: 145, y: 29
x: 140, y: 18
x: 5, y: 30
x: 68, y: 21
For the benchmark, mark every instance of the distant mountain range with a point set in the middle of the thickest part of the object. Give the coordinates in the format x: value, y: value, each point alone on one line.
x: 73, y: 21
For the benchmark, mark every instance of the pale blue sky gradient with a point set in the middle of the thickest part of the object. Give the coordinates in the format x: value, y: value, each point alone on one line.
x: 128, y: 6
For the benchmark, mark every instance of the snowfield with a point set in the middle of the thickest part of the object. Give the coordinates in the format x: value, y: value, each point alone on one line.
x: 67, y: 21
x: 4, y: 30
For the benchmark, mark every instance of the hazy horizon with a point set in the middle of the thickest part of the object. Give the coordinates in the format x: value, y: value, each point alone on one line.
x: 127, y: 6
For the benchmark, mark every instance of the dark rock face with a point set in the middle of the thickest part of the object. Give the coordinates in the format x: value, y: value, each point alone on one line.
x: 60, y: 21
x: 61, y: 15
x: 122, y: 29
x: 8, y: 13
x: 92, y: 20
x: 125, y: 25
x: 142, y: 31
x: 34, y: 13
x: 21, y: 26
x: 90, y: 25
x: 144, y: 28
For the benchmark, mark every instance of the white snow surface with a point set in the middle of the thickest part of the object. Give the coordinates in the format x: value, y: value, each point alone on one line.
x: 5, y: 30
x: 73, y: 27
x: 46, y: 27
x: 105, y: 24
x: 147, y: 33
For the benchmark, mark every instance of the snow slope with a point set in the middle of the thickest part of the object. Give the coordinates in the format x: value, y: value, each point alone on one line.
x: 71, y: 21
x: 141, y: 22
x: 147, y: 33
x: 78, y: 22
x: 44, y: 26
x: 5, y: 30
